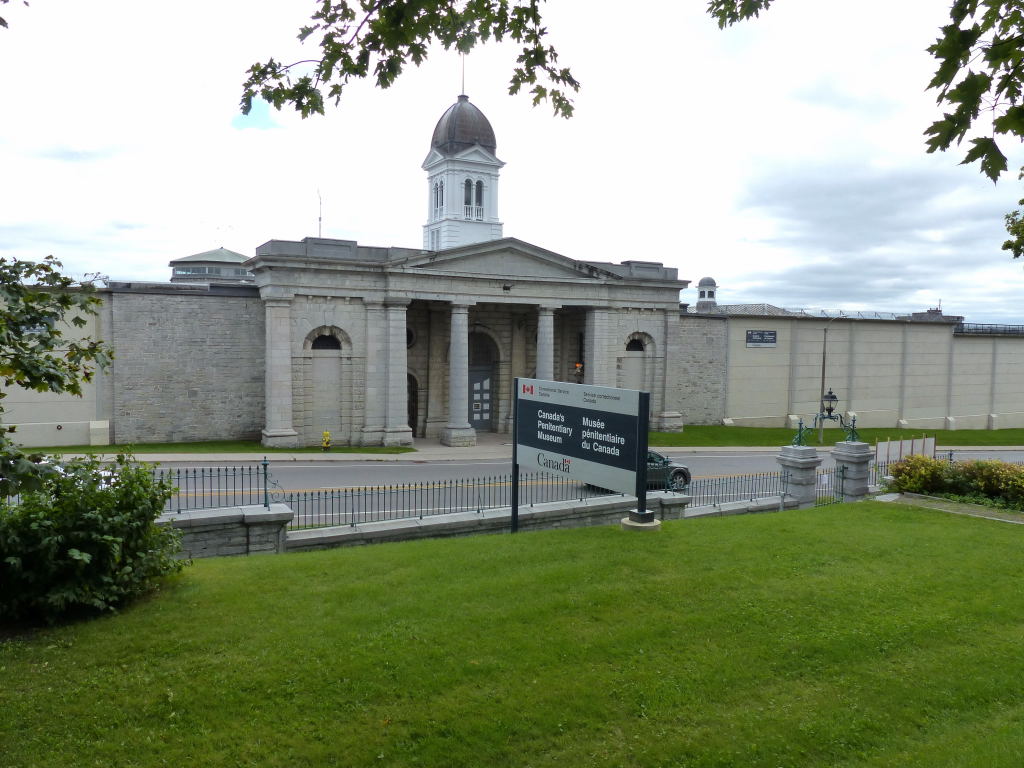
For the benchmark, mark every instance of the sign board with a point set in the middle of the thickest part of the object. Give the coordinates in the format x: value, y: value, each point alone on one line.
x: 762, y: 338
x: 597, y: 435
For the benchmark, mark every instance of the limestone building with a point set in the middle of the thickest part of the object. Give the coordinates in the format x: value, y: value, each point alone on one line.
x: 378, y: 345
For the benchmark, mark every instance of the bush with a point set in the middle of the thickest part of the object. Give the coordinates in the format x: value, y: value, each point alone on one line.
x: 85, y: 543
x: 920, y: 474
x: 984, y: 481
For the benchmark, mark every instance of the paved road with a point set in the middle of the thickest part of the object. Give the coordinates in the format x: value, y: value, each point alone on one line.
x: 317, y: 475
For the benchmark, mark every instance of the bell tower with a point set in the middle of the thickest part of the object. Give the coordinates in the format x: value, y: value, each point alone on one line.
x: 462, y: 180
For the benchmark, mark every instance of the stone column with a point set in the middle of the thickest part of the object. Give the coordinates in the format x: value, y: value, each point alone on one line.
x: 458, y: 432
x: 437, y: 395
x: 278, y: 430
x: 375, y: 389
x: 801, y: 462
x: 546, y: 343
x: 595, y: 348
x: 397, y: 430
x: 670, y: 419
x: 854, y: 459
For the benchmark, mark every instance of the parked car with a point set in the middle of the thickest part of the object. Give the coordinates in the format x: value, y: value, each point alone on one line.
x: 663, y: 474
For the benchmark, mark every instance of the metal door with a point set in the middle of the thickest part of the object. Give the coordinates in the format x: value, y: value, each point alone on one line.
x: 480, y: 403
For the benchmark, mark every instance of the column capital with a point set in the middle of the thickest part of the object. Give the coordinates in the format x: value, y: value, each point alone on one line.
x: 460, y: 309
x: 277, y: 301
x: 396, y: 302
x: 548, y: 308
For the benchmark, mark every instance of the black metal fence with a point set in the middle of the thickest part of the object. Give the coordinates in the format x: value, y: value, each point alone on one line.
x: 720, y: 490
x: 352, y: 506
x: 207, y: 487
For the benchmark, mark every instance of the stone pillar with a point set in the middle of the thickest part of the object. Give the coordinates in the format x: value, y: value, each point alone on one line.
x: 801, y: 462
x: 396, y: 430
x: 437, y: 393
x: 670, y: 419
x: 375, y: 397
x: 546, y: 343
x: 278, y: 430
x: 595, y: 348
x: 458, y: 432
x: 854, y: 459
x: 396, y: 386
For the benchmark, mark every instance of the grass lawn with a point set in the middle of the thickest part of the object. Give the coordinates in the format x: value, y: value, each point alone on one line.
x: 855, y: 635
x: 212, y: 446
x: 761, y: 436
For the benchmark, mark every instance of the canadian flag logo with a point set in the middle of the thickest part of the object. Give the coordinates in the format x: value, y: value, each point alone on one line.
x: 527, y: 389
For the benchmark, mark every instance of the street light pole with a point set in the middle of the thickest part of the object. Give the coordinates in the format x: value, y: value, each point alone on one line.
x: 821, y: 396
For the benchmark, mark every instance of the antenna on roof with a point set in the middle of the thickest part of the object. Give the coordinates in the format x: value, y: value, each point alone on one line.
x: 320, y: 215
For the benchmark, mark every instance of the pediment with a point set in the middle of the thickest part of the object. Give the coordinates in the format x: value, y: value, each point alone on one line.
x: 474, y: 154
x: 508, y: 258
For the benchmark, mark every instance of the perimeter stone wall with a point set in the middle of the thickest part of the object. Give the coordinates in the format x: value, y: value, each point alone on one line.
x: 702, y: 369
x: 189, y: 365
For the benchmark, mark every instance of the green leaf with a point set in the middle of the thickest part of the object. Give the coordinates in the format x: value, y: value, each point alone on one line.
x: 993, y: 161
x: 76, y: 554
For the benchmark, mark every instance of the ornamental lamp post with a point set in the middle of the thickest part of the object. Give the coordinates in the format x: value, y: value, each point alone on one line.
x: 827, y: 412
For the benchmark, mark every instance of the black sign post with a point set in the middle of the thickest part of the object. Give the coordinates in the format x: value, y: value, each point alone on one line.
x: 515, y: 459
x: 640, y: 514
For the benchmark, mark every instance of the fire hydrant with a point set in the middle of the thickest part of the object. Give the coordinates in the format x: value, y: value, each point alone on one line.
x: 325, y: 441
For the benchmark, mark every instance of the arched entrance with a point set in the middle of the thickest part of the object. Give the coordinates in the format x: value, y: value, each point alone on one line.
x: 326, y: 405
x: 483, y: 365
x: 634, y: 368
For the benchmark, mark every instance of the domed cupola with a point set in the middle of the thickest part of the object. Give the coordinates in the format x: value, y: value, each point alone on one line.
x: 462, y: 180
x: 706, y: 294
x: 461, y: 127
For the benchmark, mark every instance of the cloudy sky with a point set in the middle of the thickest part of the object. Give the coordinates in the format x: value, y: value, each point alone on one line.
x: 783, y: 157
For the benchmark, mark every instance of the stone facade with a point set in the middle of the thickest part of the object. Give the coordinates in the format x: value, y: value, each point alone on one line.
x: 378, y: 345
x: 702, y: 369
x: 189, y: 362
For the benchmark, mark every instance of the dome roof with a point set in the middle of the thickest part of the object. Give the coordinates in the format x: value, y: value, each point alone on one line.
x: 707, y: 282
x: 462, y: 126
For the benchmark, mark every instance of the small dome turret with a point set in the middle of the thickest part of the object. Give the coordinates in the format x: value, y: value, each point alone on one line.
x: 706, y: 294
x: 461, y: 127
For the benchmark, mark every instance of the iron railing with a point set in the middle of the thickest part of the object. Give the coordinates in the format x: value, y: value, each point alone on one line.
x: 207, y: 487
x: 718, y: 490
x: 353, y: 506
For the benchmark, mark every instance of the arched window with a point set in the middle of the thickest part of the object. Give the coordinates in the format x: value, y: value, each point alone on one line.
x: 438, y: 200
x: 326, y: 342
x: 467, y: 199
x: 634, y: 345
x: 478, y: 213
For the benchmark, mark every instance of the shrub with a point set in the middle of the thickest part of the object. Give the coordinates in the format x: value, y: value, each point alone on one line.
x: 85, y: 543
x: 920, y: 474
x: 982, y: 481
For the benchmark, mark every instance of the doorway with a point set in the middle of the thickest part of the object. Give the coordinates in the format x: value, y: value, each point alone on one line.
x: 483, y: 359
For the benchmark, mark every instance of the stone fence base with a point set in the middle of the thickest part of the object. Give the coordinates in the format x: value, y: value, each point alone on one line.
x: 245, y: 530
x: 255, y: 529
x: 603, y: 510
